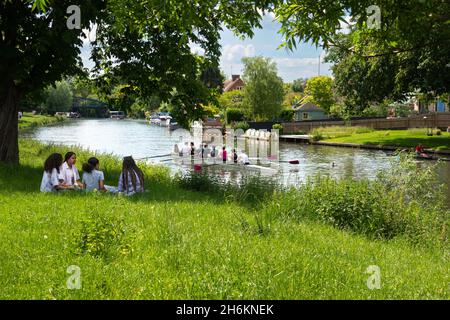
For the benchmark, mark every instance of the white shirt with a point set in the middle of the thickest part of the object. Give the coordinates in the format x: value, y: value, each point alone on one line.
x: 69, y: 175
x: 243, y: 158
x: 130, y: 189
x: 186, y: 150
x: 92, y: 180
x: 49, y: 181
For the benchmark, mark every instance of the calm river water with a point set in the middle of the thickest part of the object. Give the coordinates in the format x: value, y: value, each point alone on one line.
x: 138, y: 138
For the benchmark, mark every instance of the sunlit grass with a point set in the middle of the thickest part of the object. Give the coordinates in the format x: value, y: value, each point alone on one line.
x: 29, y: 120
x: 401, y: 138
x: 176, y: 244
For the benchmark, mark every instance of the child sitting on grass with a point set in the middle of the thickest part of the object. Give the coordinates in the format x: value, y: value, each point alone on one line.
x: 131, y: 179
x: 50, y: 179
x: 93, y: 179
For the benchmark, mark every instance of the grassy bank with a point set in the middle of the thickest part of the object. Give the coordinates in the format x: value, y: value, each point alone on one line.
x: 399, y: 138
x: 30, y: 121
x: 173, y: 243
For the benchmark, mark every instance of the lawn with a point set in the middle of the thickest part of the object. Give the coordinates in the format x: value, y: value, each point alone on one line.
x: 29, y: 120
x: 171, y: 243
x: 400, y: 138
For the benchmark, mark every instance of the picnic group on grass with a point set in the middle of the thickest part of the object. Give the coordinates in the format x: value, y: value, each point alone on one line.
x: 62, y: 174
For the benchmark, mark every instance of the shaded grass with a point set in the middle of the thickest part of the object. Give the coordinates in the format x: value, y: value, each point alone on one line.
x: 400, y: 138
x: 178, y: 244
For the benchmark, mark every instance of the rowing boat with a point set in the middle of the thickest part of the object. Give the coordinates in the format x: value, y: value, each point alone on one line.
x: 421, y: 157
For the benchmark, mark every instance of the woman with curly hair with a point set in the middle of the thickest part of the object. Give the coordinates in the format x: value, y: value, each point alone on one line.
x: 50, y: 179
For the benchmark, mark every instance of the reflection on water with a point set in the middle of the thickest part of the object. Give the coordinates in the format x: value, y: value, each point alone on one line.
x: 137, y: 138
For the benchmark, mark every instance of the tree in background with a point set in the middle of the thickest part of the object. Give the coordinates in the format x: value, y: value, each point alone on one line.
x: 82, y: 86
x: 59, y: 98
x: 151, y: 42
x: 319, y: 90
x: 212, y: 78
x: 231, y: 100
x: 264, y: 89
x: 143, y: 44
x: 403, y: 50
x: 299, y: 85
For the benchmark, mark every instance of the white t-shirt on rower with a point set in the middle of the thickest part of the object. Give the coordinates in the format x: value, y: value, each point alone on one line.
x: 69, y: 175
x: 243, y: 158
x: 49, y: 181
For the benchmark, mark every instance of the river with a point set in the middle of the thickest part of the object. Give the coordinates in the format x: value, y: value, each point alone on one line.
x: 139, y: 139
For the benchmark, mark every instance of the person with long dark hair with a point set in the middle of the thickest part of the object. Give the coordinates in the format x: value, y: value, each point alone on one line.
x: 69, y: 172
x: 131, y: 179
x: 93, y: 178
x: 50, y: 179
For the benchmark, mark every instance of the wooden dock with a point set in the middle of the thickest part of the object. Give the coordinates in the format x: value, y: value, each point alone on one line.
x: 295, y: 138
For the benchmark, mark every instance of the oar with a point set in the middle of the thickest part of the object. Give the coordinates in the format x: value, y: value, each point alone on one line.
x: 153, y: 157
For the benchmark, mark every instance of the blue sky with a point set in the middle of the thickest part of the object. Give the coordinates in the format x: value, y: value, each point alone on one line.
x: 301, y: 63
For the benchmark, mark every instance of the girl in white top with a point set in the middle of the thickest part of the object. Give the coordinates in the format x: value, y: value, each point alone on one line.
x: 93, y: 179
x: 69, y: 172
x: 50, y: 181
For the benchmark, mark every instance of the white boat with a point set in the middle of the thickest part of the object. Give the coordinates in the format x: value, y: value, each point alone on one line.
x: 117, y: 115
x: 209, y: 162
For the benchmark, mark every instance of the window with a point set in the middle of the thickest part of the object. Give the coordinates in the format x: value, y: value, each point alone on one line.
x: 305, y: 115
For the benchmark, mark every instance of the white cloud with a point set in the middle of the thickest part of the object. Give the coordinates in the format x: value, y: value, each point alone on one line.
x: 196, y: 49
x: 345, y: 26
x: 235, y: 52
x: 296, y: 62
x: 90, y: 34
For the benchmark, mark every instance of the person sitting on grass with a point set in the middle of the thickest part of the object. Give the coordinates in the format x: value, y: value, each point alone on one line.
x: 50, y: 179
x: 131, y: 179
x: 93, y: 179
x: 69, y: 172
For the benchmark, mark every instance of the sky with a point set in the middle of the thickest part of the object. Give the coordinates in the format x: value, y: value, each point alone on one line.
x: 300, y: 63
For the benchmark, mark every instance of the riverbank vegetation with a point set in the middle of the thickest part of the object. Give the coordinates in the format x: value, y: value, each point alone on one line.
x: 194, y: 237
x: 30, y: 120
x: 398, y: 138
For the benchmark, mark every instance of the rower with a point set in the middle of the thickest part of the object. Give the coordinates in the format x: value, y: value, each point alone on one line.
x: 185, y: 151
x: 243, y: 158
x: 176, y: 150
x: 234, y: 156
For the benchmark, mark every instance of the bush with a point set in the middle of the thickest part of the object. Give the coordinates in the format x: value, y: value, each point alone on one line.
x: 241, y: 125
x: 101, y: 237
x: 278, y: 127
x: 287, y: 115
x: 235, y: 115
x: 406, y: 201
x: 198, y: 181
x: 316, y: 135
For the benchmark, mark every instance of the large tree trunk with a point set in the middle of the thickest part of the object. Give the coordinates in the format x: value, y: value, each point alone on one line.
x: 9, y: 131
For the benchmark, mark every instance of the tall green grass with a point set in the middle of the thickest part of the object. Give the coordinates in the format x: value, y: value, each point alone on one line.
x: 175, y: 243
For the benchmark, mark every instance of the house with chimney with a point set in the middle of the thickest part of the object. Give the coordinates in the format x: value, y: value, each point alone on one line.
x: 235, y: 83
